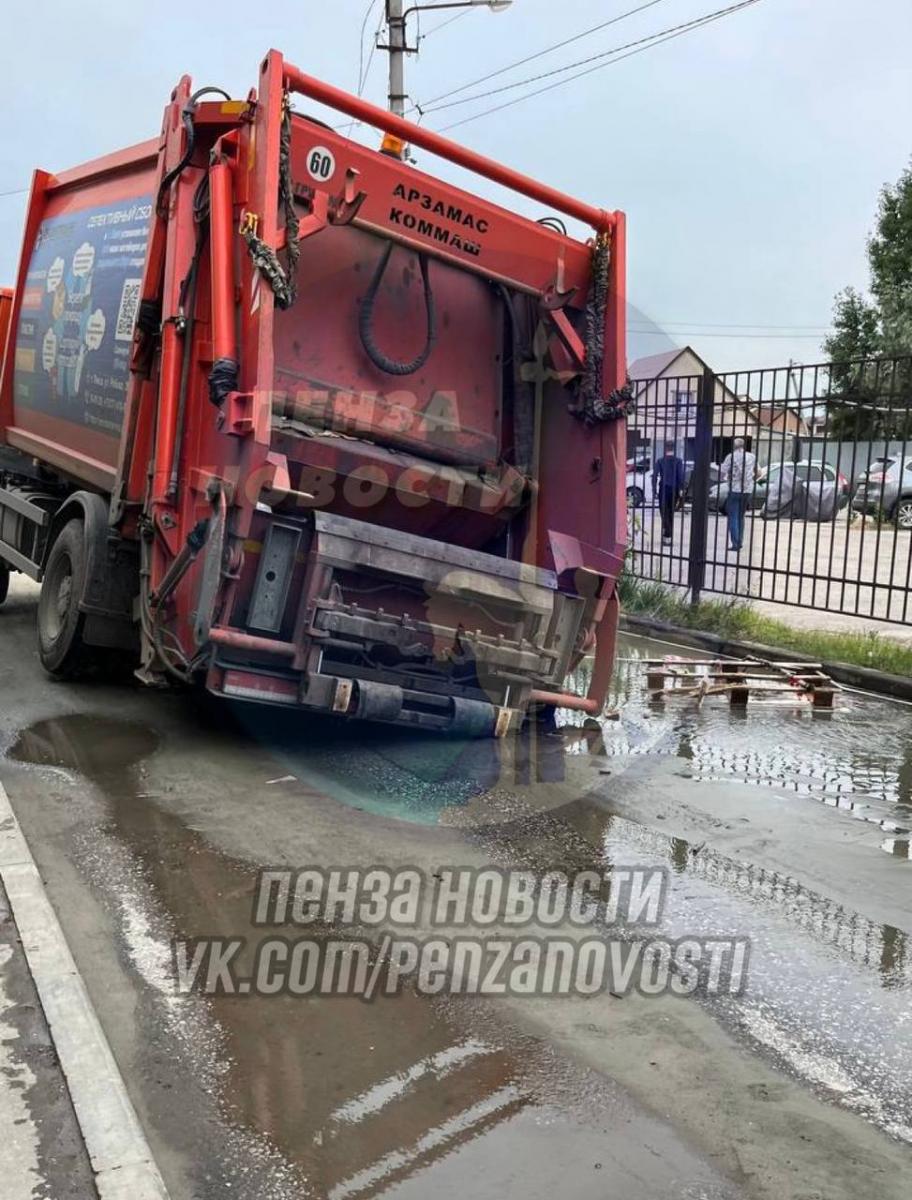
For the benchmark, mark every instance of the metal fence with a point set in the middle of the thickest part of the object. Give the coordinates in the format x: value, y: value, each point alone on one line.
x: 822, y: 517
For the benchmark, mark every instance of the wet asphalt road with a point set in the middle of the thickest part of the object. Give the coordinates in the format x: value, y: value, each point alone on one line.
x: 41, y: 1150
x: 150, y: 813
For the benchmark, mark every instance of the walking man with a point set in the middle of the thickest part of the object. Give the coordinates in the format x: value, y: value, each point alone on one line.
x: 668, y: 486
x: 740, y: 470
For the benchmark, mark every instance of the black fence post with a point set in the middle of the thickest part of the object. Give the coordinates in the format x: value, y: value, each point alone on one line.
x: 699, y: 513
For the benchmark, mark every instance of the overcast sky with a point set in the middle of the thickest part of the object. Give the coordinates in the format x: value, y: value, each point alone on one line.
x: 747, y: 154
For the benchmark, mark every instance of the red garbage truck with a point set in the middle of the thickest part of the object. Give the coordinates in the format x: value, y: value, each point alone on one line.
x: 288, y: 416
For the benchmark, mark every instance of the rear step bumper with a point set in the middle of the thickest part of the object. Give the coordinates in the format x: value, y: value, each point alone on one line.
x: 368, y: 700
x: 472, y: 675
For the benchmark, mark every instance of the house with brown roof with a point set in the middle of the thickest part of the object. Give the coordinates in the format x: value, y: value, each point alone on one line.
x: 780, y: 419
x: 666, y: 388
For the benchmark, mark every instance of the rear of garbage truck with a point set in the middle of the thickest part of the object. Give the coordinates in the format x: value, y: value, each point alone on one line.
x: 336, y: 434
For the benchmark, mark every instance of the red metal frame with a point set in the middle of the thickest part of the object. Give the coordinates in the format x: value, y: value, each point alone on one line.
x: 224, y: 336
x: 361, y: 110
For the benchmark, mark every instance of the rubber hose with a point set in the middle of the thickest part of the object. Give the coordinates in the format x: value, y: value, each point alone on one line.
x: 366, y: 317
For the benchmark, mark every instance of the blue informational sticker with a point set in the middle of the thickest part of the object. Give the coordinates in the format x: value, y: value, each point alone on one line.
x: 78, y: 309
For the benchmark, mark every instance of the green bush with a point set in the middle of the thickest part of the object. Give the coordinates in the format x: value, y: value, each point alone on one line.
x: 735, y: 619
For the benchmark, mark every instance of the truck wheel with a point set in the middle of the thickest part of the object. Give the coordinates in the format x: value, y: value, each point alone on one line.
x: 4, y: 581
x: 60, y: 623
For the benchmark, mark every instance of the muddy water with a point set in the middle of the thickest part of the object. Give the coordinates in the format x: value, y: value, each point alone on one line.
x: 857, y: 759
x: 424, y: 779
x: 829, y: 993
x: 351, y: 1099
x: 342, y: 1097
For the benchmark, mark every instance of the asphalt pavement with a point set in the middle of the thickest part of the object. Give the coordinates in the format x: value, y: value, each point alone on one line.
x: 150, y: 814
x: 854, y: 576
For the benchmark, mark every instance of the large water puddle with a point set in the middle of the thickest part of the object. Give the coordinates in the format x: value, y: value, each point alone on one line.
x: 857, y: 758
x: 415, y: 1096
x: 402, y: 1096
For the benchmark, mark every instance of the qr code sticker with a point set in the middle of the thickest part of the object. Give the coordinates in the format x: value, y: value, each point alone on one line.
x: 126, y: 316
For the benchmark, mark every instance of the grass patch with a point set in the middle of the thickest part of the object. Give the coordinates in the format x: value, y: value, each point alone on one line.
x: 735, y: 619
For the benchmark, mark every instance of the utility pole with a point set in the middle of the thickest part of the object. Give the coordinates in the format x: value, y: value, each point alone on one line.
x: 396, y: 17
x: 396, y: 23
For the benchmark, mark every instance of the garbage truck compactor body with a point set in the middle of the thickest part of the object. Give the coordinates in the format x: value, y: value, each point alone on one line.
x: 285, y: 414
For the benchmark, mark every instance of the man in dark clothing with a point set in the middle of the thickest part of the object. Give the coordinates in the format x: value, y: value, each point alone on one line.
x: 668, y: 486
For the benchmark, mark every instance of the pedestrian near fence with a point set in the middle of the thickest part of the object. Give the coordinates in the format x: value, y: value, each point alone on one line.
x: 668, y: 487
x: 740, y: 470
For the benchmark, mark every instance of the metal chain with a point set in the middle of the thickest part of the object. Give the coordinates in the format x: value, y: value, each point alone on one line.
x: 593, y: 406
x: 286, y: 195
x: 283, y: 283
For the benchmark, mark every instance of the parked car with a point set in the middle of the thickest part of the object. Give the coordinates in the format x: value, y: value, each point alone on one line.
x: 714, y: 477
x: 809, y: 471
x: 639, y: 482
x: 641, y: 485
x: 639, y: 463
x: 886, y: 487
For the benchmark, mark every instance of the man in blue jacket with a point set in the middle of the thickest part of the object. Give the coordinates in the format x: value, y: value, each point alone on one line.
x: 668, y: 486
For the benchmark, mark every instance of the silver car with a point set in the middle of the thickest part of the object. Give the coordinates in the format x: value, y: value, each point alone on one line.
x: 886, y: 487
x: 811, y: 472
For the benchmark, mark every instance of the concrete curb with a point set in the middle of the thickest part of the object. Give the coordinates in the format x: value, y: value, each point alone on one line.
x: 116, y: 1145
x: 898, y: 687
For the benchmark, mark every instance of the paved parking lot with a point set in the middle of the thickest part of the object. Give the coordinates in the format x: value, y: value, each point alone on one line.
x: 858, y: 569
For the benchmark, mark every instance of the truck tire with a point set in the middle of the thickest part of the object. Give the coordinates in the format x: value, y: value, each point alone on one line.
x: 4, y: 581
x: 60, y: 622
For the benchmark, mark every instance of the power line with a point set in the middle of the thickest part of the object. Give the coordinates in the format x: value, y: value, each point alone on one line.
x: 367, y: 12
x: 364, y: 71
x: 762, y: 325
x: 706, y: 20
x: 14, y: 192
x: 541, y: 53
x: 448, y: 21
x: 703, y: 333
x: 373, y: 51
x: 683, y: 27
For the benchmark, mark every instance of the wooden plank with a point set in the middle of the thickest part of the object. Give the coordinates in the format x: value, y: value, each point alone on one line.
x: 738, y: 686
x: 810, y: 676
x: 720, y: 662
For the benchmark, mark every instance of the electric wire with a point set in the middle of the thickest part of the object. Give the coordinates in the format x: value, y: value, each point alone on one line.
x: 367, y: 12
x: 541, y: 53
x: 656, y: 39
x: 364, y: 69
x: 685, y: 333
x: 680, y: 28
x: 449, y: 21
x: 740, y: 325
